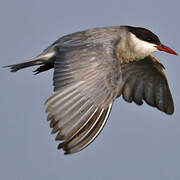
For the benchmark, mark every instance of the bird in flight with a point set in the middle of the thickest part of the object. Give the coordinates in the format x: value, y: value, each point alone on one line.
x: 91, y: 69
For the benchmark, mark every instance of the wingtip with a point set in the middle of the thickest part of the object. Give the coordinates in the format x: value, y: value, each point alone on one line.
x: 170, y: 111
x: 66, y: 152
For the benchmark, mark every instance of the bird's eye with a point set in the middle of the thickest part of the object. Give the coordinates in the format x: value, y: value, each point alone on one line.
x: 149, y: 39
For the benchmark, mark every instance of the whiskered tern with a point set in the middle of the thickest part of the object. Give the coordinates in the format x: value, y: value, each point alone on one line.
x: 91, y: 69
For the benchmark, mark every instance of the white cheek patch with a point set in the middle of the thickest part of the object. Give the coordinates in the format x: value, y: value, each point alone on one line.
x: 141, y: 46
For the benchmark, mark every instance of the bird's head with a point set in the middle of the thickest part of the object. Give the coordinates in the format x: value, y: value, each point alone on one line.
x: 146, y: 42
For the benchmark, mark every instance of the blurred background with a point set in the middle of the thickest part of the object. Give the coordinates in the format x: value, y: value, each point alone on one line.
x: 138, y: 142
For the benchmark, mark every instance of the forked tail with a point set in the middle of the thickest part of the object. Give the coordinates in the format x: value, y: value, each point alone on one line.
x: 47, y: 57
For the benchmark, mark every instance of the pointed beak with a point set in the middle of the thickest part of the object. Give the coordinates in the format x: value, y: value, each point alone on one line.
x: 166, y: 49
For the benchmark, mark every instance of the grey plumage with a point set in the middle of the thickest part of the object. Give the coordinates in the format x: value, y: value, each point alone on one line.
x: 91, y: 69
x: 145, y: 80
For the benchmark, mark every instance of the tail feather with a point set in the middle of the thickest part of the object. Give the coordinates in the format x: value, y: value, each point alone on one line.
x: 44, y: 58
x: 44, y: 67
x: 16, y: 67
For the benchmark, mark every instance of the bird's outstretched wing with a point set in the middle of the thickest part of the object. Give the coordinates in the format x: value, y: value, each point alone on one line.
x: 145, y: 80
x: 86, y: 78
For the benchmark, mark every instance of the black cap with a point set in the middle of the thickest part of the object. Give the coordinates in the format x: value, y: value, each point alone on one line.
x: 144, y: 34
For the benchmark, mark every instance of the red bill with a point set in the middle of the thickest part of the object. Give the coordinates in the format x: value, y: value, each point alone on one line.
x: 166, y: 49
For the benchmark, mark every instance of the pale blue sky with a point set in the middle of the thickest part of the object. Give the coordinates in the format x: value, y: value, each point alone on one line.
x: 137, y: 143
